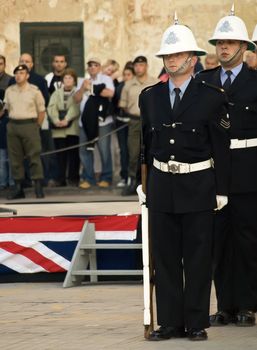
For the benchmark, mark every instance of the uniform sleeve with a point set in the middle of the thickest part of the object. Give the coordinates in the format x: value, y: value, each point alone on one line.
x: 218, y: 129
x: 146, y: 134
x: 40, y: 102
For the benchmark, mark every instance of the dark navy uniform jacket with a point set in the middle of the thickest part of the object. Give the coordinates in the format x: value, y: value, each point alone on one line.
x: 242, y: 96
x: 197, y: 132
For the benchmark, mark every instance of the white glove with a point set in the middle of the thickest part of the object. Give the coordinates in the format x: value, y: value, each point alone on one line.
x: 221, y: 201
x: 141, y: 195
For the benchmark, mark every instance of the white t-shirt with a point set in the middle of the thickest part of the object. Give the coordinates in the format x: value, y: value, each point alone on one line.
x: 100, y: 79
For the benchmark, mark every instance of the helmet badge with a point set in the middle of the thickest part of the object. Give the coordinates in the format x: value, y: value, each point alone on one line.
x: 172, y: 38
x: 225, y: 27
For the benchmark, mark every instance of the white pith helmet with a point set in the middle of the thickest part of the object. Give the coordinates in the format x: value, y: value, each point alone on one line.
x: 231, y: 28
x: 178, y: 38
x: 254, y: 38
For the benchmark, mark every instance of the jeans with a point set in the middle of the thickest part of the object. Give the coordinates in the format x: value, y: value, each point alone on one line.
x: 5, y: 170
x: 123, y: 144
x: 87, y: 157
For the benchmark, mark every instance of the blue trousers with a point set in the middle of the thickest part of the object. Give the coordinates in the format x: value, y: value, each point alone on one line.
x: 87, y: 157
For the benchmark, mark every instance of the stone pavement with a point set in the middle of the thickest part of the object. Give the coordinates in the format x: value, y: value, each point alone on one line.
x: 69, y: 194
x: 71, y: 201
x: 44, y: 316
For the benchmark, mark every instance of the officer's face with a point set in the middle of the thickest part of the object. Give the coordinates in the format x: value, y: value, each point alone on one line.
x: 179, y: 63
x: 59, y: 64
x: 230, y: 52
x: 21, y: 77
x: 2, y: 66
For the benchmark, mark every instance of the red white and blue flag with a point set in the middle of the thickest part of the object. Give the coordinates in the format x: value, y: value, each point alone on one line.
x: 46, y: 244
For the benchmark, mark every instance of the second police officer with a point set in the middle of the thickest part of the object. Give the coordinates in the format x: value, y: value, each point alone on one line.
x: 235, y: 259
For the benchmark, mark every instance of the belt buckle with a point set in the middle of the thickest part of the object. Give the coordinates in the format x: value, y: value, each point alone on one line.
x: 173, y: 168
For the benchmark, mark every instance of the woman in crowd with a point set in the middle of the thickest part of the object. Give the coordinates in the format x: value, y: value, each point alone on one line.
x: 64, y: 115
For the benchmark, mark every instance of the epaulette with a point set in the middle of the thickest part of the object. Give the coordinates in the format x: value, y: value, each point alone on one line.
x: 208, y: 70
x: 215, y: 87
x: 34, y: 86
x: 151, y: 86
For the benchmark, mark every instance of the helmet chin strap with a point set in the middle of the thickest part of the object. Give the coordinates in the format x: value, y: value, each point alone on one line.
x: 235, y: 54
x: 180, y: 68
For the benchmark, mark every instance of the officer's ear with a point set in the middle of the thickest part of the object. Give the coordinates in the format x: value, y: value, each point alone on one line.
x: 193, y: 60
x: 243, y: 46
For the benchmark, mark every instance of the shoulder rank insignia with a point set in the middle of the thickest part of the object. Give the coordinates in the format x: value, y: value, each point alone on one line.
x: 151, y: 86
x: 225, y: 122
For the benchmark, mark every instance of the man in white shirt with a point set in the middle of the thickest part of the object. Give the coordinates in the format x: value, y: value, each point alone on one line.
x: 53, y: 78
x: 85, y: 89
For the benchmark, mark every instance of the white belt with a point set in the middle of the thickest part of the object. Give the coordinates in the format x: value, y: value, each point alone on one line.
x: 246, y: 143
x: 123, y: 119
x: 182, y: 168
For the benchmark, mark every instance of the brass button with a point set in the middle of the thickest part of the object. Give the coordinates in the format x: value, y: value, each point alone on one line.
x: 173, y: 125
x: 172, y: 141
x: 172, y: 157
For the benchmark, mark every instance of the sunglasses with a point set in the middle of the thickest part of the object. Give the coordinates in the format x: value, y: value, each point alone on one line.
x: 93, y: 64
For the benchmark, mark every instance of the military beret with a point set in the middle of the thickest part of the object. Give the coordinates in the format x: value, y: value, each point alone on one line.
x: 21, y: 67
x: 140, y: 59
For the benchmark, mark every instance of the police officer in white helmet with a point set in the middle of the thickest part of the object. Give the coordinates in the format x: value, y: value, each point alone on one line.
x: 184, y: 134
x: 235, y: 263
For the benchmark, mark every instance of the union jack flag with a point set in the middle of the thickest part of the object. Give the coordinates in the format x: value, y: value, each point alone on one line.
x: 46, y: 244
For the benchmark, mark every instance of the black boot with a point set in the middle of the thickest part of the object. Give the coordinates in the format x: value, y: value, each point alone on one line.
x: 39, y: 189
x: 17, y: 192
x: 131, y: 187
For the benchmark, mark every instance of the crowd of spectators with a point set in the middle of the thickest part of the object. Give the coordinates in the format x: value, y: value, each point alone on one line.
x: 81, y: 110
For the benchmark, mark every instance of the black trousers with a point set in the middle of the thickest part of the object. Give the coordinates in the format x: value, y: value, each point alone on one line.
x: 182, y: 253
x: 235, y: 254
x: 68, y: 161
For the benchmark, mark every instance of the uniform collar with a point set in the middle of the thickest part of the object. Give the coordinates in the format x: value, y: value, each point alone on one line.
x: 235, y: 71
x: 183, y: 87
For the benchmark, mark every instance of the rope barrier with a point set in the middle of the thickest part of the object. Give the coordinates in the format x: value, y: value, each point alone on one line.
x: 84, y: 143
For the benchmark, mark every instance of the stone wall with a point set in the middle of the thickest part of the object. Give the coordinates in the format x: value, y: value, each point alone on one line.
x: 119, y: 29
